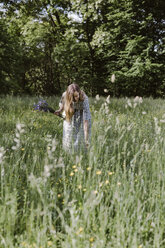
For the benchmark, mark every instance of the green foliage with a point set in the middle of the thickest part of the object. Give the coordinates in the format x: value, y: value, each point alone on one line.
x: 46, y: 45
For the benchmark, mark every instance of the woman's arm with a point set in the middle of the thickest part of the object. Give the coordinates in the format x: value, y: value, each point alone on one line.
x: 87, y: 118
x: 86, y: 132
x: 61, y: 105
x: 58, y: 112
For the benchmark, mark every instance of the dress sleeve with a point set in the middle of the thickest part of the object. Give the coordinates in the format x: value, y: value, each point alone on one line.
x: 86, y: 110
x: 62, y: 100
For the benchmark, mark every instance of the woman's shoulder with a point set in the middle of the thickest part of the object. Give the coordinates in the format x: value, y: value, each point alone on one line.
x: 64, y: 94
x: 85, y: 99
x: 62, y: 100
x: 84, y: 96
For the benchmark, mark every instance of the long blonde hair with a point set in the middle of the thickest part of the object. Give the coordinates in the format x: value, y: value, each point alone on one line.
x: 69, y: 98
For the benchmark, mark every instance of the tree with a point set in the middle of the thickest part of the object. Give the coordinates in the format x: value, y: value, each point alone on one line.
x: 43, y: 48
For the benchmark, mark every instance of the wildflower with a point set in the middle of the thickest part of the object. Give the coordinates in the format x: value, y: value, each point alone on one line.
x: 2, y: 152
x: 47, y: 170
x: 113, y: 78
x: 50, y: 243
x: 42, y: 105
x: 74, y: 166
x: 89, y: 168
x: 79, y: 231
x: 80, y: 187
x: 152, y: 224
x: 105, y: 90
x: 91, y: 239
x: 23, y: 149
x: 20, y: 127
x: 138, y: 99
x: 75, y: 170
x: 106, y: 182
x: 110, y: 173
x: 97, y: 97
x: 108, y: 100
x: 129, y: 103
x: 71, y: 174
x: 24, y: 244
x: 98, y: 172
x: 84, y: 189
x: 95, y: 192
x: 59, y: 195
x: 118, y: 183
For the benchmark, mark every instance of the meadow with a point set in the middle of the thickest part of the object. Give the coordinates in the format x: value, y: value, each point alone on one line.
x: 111, y: 197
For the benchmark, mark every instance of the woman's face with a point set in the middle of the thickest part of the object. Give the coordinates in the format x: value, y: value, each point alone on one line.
x: 76, y: 96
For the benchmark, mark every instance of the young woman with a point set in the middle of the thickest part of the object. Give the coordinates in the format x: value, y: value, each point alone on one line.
x: 77, y: 123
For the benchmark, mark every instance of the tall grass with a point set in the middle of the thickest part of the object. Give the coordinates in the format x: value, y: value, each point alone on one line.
x: 114, y: 196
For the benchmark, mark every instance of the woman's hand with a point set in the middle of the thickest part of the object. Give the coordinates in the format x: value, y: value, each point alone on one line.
x: 86, y: 144
x: 57, y: 112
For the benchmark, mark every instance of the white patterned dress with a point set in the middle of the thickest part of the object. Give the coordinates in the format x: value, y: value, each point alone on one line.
x: 73, y: 131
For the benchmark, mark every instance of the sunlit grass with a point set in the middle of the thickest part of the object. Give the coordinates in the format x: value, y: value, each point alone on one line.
x: 112, y: 197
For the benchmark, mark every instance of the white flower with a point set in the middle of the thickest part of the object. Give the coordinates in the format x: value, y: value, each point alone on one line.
x: 113, y: 78
x: 97, y: 97
x: 129, y: 103
x: 47, y: 169
x: 2, y: 152
x: 138, y: 99
x: 105, y: 90
x: 20, y: 127
x: 108, y: 99
x: 135, y: 104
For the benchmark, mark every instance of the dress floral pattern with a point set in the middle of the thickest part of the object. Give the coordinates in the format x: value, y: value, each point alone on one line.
x: 73, y: 131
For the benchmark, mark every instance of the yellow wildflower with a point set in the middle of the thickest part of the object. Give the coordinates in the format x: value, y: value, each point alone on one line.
x: 91, y: 239
x: 50, y: 243
x: 71, y: 174
x: 106, y: 182
x: 24, y: 244
x: 89, y: 168
x: 79, y: 231
x: 74, y: 166
x: 98, y: 172
x: 80, y: 187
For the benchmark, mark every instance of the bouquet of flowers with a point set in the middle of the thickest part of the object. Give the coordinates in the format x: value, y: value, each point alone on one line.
x: 42, y: 105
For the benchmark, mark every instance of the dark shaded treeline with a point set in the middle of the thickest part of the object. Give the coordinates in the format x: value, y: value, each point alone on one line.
x: 46, y: 45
